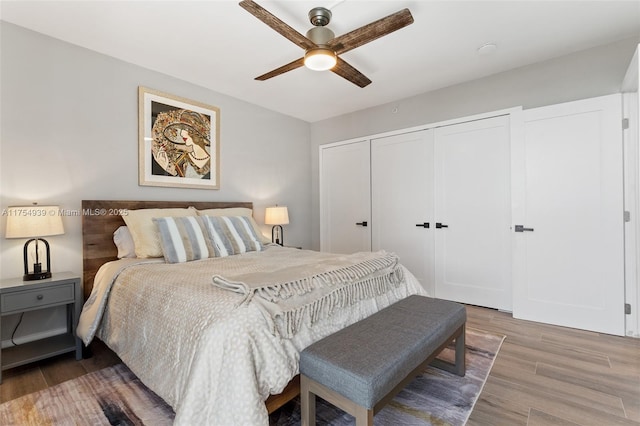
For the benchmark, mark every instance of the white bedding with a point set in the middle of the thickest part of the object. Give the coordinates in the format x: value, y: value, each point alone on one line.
x: 213, y: 358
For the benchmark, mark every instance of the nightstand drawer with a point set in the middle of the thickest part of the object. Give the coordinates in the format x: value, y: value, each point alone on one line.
x: 34, y: 298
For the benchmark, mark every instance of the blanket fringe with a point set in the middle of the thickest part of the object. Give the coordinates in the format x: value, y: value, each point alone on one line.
x: 275, y: 292
x: 291, y: 321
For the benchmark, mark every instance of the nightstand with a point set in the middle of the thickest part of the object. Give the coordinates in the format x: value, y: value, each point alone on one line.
x: 18, y: 296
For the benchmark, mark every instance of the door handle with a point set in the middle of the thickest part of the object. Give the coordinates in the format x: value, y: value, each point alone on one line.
x: 362, y: 223
x: 521, y: 228
x: 423, y: 225
x: 441, y: 225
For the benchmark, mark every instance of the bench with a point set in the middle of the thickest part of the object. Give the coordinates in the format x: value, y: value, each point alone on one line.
x: 362, y: 367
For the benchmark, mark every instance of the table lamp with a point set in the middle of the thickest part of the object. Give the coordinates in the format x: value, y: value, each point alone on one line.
x: 34, y: 222
x: 276, y: 216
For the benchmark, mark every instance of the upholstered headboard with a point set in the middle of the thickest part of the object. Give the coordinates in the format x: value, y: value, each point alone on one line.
x: 101, y: 218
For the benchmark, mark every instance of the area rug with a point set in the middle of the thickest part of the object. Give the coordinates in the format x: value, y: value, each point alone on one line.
x: 115, y: 396
x: 111, y: 396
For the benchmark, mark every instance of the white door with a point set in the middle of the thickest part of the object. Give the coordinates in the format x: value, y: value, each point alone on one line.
x: 345, y: 198
x: 569, y: 268
x: 402, y: 201
x: 473, y: 213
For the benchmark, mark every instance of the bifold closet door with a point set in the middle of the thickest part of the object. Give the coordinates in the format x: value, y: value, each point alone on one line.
x: 569, y: 261
x: 345, y: 198
x: 402, y: 201
x: 472, y: 213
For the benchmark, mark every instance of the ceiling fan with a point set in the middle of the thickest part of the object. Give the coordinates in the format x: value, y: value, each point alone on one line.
x: 322, y: 47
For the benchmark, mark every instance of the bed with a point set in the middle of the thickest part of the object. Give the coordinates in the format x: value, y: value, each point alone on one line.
x: 218, y: 338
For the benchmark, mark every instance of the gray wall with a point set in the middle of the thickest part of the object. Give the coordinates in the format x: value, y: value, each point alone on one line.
x: 69, y: 131
x: 589, y: 73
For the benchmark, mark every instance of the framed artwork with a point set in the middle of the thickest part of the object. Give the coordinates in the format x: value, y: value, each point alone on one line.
x: 179, y: 141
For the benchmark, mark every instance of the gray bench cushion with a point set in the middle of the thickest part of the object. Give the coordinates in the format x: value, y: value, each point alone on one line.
x: 366, y: 360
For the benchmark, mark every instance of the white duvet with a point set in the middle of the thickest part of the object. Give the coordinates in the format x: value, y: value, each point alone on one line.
x: 210, y: 356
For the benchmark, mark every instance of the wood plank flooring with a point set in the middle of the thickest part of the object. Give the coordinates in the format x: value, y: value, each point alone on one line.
x: 40, y: 375
x: 548, y: 375
x: 543, y: 375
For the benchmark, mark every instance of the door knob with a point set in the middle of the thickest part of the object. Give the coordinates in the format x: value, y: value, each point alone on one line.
x: 441, y: 225
x: 362, y: 223
x: 423, y: 225
x: 521, y: 228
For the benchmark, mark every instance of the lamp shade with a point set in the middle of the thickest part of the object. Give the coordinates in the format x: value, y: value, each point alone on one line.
x: 33, y: 221
x: 278, y: 215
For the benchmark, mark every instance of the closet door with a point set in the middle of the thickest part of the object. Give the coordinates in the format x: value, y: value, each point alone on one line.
x: 402, y: 200
x: 345, y: 198
x: 570, y: 264
x: 473, y: 213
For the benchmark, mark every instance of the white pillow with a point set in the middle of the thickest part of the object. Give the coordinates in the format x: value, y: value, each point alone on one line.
x: 124, y: 242
x: 237, y: 211
x: 145, y: 233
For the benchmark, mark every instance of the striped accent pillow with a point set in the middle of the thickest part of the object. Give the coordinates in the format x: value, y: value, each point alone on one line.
x: 183, y: 238
x: 231, y: 235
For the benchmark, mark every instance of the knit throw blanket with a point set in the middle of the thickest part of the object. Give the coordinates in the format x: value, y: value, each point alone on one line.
x: 314, y: 286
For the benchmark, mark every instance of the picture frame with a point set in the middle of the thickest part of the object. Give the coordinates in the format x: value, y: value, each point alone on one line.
x: 178, y: 141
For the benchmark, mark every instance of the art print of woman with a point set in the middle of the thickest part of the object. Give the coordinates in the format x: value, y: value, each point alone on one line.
x: 181, y: 146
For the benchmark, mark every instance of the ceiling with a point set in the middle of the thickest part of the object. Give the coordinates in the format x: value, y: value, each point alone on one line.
x: 220, y: 46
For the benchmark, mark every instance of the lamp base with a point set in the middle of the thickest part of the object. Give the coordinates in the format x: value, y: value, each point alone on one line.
x: 38, y: 273
x: 277, y: 236
x: 36, y: 276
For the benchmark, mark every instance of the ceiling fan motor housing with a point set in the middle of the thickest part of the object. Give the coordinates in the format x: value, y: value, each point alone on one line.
x: 320, y: 35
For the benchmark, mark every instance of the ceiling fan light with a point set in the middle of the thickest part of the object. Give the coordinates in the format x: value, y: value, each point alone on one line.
x: 320, y: 59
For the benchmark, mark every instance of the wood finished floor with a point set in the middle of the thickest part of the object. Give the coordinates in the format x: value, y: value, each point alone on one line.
x: 543, y: 375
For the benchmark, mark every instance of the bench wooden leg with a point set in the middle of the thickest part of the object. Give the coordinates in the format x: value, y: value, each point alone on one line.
x: 308, y: 391
x: 307, y: 403
x: 461, y: 350
x: 364, y: 416
x: 459, y: 365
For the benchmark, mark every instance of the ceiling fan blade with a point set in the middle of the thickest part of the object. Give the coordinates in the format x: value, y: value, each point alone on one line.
x: 343, y: 69
x: 372, y: 31
x: 275, y: 23
x: 290, y: 66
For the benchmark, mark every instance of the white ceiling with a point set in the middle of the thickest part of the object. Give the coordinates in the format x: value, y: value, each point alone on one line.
x: 220, y: 46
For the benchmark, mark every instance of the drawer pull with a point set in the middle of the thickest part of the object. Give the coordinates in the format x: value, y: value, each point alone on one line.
x: 39, y: 297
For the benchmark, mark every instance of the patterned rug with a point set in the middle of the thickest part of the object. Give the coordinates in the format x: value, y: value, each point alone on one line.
x: 115, y: 396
